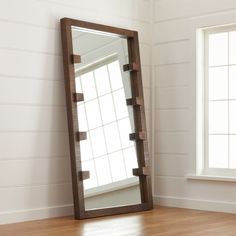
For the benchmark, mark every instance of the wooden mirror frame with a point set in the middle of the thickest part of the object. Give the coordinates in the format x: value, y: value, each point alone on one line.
x: 75, y: 136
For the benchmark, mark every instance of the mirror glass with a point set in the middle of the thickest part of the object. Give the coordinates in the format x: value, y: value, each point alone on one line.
x: 107, y: 153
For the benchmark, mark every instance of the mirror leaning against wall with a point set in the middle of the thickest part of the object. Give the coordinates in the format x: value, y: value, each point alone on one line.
x: 110, y: 164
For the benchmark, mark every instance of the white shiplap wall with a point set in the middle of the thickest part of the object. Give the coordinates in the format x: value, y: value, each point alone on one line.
x: 34, y: 168
x: 34, y: 155
x: 174, y: 62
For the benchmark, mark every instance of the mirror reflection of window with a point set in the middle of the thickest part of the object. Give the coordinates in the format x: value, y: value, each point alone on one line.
x: 107, y: 153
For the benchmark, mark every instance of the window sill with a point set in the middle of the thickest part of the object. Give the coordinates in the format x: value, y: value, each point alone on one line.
x: 211, y: 178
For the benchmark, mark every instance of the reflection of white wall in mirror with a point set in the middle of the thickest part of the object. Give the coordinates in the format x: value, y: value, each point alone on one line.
x: 122, y: 196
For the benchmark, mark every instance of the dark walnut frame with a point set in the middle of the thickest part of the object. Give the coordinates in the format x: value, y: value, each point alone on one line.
x: 75, y: 136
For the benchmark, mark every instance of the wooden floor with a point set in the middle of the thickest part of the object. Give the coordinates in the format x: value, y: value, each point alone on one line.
x: 160, y: 221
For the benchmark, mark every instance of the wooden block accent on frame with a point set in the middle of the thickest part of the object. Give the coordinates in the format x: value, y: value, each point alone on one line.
x: 138, y: 136
x: 131, y: 67
x: 75, y: 59
x: 137, y: 101
x: 83, y: 175
x: 78, y: 97
x: 141, y: 171
x: 81, y: 136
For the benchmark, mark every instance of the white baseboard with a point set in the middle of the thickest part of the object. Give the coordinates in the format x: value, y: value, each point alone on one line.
x: 66, y: 210
x: 198, y: 204
x: 35, y: 214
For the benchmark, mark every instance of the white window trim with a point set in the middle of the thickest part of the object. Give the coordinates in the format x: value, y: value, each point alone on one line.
x: 203, y: 172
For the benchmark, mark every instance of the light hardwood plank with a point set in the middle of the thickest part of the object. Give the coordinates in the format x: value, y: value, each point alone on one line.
x: 160, y: 221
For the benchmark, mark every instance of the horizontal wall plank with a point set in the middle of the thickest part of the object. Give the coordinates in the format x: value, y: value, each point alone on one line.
x: 182, y: 29
x: 48, y: 13
x: 30, y: 38
x: 207, y: 190
x: 34, y: 172
x: 172, y: 165
x: 172, y: 120
x: 174, y: 52
x: 27, y: 91
x: 172, y: 142
x: 172, y: 75
x: 27, y: 64
x: 30, y: 118
x: 22, y: 198
x: 123, y: 8
x: 36, y: 214
x: 169, y: 31
x: 32, y: 145
x: 166, y: 9
x: 177, y: 97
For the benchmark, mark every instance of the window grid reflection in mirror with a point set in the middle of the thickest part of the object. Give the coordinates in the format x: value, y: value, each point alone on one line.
x: 220, y: 95
x: 107, y: 153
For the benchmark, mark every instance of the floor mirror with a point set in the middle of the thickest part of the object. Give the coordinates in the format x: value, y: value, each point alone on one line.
x: 110, y: 163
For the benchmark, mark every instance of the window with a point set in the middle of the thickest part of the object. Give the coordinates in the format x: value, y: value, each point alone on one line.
x: 107, y: 153
x: 219, y: 101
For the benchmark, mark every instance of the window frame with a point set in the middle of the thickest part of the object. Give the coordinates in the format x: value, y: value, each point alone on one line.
x: 203, y: 97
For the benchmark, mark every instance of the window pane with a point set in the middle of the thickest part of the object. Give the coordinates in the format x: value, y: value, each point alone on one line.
x: 232, y: 82
x: 92, y: 181
x: 218, y: 49
x: 78, y: 88
x: 93, y: 114
x: 232, y: 47
x: 117, y: 166
x: 102, y: 80
x: 115, y: 75
x: 107, y: 109
x: 98, y: 142
x: 130, y: 160
x: 232, y: 151
x: 120, y: 104
x: 88, y: 86
x: 218, y: 83
x: 232, y: 117
x: 218, y: 117
x: 103, y: 170
x: 131, y: 117
x: 86, y: 150
x: 125, y: 130
x: 112, y: 137
x: 82, y: 118
x: 218, y: 151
